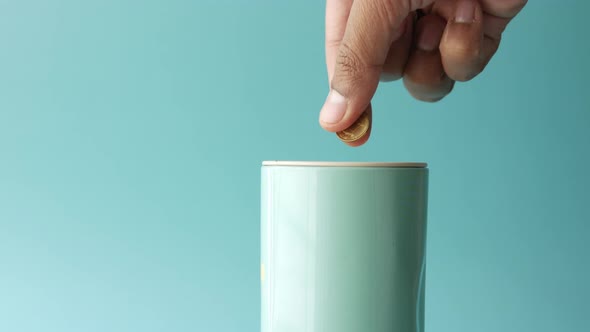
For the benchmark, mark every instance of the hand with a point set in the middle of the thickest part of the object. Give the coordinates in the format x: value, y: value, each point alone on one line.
x: 372, y: 40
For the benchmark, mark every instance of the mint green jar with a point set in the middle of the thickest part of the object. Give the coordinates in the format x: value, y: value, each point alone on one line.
x: 343, y: 246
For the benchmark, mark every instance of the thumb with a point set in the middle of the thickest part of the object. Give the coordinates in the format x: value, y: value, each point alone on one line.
x: 373, y: 25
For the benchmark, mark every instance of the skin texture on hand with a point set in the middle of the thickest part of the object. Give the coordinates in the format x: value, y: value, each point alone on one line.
x: 368, y: 41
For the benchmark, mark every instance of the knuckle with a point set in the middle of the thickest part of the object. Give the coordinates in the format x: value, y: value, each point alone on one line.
x: 506, y: 9
x: 464, y: 75
x: 464, y: 72
x: 430, y: 93
x: 428, y: 99
x: 515, y: 6
x: 494, y: 26
x: 461, y: 52
x: 463, y: 64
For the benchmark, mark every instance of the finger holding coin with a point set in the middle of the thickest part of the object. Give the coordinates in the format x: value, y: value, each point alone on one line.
x: 358, y: 133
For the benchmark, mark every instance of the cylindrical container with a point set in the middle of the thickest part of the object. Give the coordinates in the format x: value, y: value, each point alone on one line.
x: 343, y: 246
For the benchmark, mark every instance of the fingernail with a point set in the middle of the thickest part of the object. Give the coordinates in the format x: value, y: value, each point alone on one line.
x: 465, y: 12
x: 334, y: 108
x: 429, y: 37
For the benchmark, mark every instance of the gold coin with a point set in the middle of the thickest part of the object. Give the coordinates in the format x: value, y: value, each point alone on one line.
x: 357, y: 130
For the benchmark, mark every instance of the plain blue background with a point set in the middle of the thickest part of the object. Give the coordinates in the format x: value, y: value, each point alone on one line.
x: 131, y: 136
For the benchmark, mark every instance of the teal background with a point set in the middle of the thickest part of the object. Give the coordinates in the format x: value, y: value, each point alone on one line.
x: 131, y: 136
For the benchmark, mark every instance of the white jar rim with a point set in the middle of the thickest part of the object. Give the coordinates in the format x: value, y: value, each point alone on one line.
x: 344, y: 164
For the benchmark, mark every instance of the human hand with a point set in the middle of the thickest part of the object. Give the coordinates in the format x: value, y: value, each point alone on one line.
x: 372, y: 40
